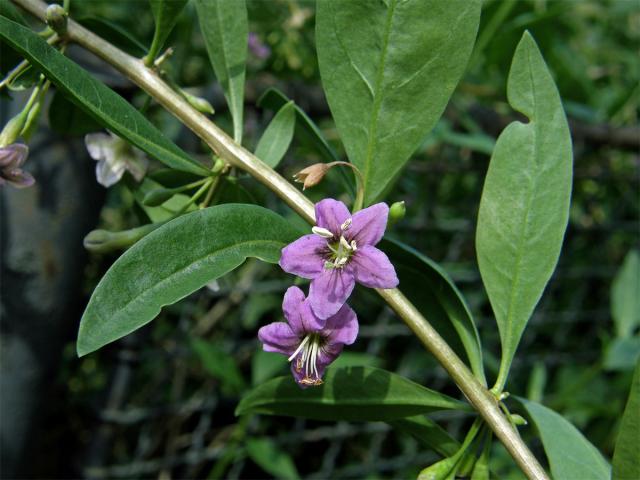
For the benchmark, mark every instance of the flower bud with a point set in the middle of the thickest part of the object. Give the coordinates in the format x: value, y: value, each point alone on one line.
x: 57, y: 19
x: 397, y: 212
x: 32, y: 120
x: 439, y: 470
x: 312, y: 175
x: 103, y: 241
x: 12, y: 129
x: 157, y: 197
x: 518, y: 419
x: 199, y: 103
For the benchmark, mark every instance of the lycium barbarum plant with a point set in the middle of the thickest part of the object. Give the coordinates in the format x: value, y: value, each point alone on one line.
x: 388, y: 70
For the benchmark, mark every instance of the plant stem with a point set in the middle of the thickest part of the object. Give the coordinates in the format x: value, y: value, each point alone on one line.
x: 482, y: 400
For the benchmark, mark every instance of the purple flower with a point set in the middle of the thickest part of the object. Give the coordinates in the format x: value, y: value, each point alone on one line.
x: 12, y: 157
x: 340, y: 252
x: 310, y: 343
x: 257, y: 47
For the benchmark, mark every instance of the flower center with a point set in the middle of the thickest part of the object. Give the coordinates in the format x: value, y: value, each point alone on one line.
x: 306, y: 358
x: 340, y: 251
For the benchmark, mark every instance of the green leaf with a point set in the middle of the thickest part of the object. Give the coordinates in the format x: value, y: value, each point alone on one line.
x: 225, y: 29
x: 570, y: 455
x: 388, y: 69
x: 195, y: 249
x: 274, y: 99
x: 168, y: 209
x: 626, y: 456
x: 8, y: 10
x: 98, y: 100
x: 350, y: 393
x: 219, y: 364
x: 276, y: 462
x: 165, y: 14
x: 276, y: 139
x: 625, y: 296
x: 429, y: 433
x: 429, y: 287
x: 525, y: 202
x: 67, y: 119
x: 622, y: 353
x: 266, y: 365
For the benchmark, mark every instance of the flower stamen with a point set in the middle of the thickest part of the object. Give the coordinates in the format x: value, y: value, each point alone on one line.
x: 306, y: 356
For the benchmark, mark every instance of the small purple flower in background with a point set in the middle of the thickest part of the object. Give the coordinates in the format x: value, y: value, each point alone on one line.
x: 257, y: 47
x: 12, y: 157
x: 340, y: 252
x: 310, y: 343
x: 114, y: 155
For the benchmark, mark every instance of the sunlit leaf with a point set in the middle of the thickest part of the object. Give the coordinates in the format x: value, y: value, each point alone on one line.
x: 194, y: 249
x: 165, y: 14
x: 525, y: 201
x: 388, y: 69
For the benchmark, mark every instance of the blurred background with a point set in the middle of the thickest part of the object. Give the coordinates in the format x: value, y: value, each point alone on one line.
x: 160, y: 402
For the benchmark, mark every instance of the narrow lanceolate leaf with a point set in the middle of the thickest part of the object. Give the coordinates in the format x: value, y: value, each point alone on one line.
x: 165, y: 14
x: 271, y: 458
x: 525, y: 202
x: 429, y: 287
x: 388, y: 69
x: 428, y: 433
x: 348, y: 393
x: 570, y: 454
x: 193, y: 250
x: 626, y: 456
x: 274, y: 99
x: 276, y: 139
x: 225, y: 29
x: 625, y: 296
x: 95, y: 98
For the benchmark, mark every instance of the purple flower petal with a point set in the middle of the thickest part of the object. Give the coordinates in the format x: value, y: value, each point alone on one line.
x: 14, y: 155
x: 329, y: 290
x: 304, y: 257
x: 331, y: 214
x: 342, y: 328
x: 298, y: 313
x: 278, y: 337
x: 18, y: 178
x: 372, y: 268
x: 368, y: 225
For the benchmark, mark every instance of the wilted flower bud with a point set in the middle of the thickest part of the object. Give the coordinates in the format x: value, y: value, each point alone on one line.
x: 396, y: 212
x: 312, y: 175
x: 57, y: 19
x: 114, y: 156
x: 12, y: 157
